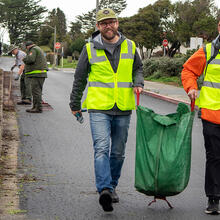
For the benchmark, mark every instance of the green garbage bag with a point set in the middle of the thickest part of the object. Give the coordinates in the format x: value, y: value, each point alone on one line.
x: 163, y: 151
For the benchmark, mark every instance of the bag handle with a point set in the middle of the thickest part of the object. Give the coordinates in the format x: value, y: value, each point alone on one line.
x: 192, y: 102
x: 138, y: 97
x: 192, y: 105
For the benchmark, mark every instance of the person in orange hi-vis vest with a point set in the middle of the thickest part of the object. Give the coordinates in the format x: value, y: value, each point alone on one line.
x: 203, y: 61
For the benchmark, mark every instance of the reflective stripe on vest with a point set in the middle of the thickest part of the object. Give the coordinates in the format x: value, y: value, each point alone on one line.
x: 209, y: 97
x: 95, y: 58
x: 129, y: 54
x: 107, y: 87
x: 110, y: 85
x: 36, y: 72
x: 211, y: 84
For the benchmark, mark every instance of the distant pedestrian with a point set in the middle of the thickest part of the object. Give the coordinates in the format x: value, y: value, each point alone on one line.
x: 36, y: 71
x: 25, y: 87
x: 203, y: 62
x: 114, y: 70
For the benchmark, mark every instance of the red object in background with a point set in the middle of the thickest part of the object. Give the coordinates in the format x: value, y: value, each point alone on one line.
x: 57, y: 45
x: 165, y: 42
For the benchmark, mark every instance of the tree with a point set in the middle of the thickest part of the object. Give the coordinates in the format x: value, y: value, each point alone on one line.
x: 176, y: 22
x: 88, y: 20
x: 56, y: 18
x: 195, y: 19
x: 22, y: 19
x: 77, y: 45
x: 45, y: 34
x: 75, y: 39
x: 146, y: 27
x: 75, y: 30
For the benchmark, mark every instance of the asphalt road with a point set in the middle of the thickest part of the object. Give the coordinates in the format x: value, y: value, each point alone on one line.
x: 56, y: 161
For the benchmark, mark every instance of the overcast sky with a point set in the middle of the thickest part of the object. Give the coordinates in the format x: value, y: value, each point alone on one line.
x: 72, y: 8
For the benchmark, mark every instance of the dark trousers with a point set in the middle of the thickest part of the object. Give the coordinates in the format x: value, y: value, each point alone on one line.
x: 25, y: 87
x: 211, y: 134
x: 36, y: 89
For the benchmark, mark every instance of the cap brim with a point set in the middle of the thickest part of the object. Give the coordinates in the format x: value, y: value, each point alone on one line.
x: 105, y: 18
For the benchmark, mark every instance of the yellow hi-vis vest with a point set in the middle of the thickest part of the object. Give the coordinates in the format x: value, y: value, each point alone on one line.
x: 209, y: 97
x: 105, y: 87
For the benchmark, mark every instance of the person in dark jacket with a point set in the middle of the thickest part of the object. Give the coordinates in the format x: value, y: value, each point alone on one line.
x: 113, y: 67
x: 36, y: 70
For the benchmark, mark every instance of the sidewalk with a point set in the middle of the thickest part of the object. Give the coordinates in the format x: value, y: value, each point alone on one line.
x: 166, y: 92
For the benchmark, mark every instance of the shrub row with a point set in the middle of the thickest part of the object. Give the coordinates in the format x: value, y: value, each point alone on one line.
x: 162, y: 67
x: 166, y: 66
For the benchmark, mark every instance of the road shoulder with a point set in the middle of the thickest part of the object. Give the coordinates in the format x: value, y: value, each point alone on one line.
x: 9, y: 190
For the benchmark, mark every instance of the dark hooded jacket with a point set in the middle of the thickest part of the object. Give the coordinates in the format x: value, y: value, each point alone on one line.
x: 83, y: 69
x: 35, y: 60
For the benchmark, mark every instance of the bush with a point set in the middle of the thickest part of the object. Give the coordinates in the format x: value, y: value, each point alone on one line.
x: 150, y: 66
x: 165, y: 65
x: 158, y: 74
x: 168, y: 69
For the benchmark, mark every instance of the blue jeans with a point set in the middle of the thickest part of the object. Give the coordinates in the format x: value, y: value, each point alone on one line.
x: 108, y: 159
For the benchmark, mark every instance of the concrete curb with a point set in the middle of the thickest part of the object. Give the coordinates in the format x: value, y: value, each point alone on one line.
x: 167, y: 98
x: 164, y: 98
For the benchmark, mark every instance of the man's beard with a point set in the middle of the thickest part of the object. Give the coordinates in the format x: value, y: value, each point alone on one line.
x: 109, y: 37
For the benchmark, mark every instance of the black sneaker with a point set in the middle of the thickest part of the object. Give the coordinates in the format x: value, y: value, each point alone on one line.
x: 115, y: 197
x: 213, y: 207
x: 105, y: 200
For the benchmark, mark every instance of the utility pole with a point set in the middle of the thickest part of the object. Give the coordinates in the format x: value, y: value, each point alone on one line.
x: 97, y: 6
x: 55, y: 55
x: 97, y: 9
x: 54, y: 42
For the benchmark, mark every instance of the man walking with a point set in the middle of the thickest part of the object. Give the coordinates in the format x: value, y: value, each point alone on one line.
x: 36, y: 71
x: 207, y: 60
x: 25, y: 87
x: 114, y: 71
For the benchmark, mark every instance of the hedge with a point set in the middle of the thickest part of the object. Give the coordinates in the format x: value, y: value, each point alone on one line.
x: 158, y: 67
x: 164, y: 66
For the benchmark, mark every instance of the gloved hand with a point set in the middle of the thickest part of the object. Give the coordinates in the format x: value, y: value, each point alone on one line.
x: 17, y: 76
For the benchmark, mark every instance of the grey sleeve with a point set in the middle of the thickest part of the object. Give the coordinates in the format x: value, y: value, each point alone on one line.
x: 19, y: 58
x: 138, y: 78
x: 80, y: 80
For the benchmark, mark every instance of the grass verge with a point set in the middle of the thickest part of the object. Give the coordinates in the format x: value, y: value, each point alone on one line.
x: 174, y: 80
x: 66, y: 64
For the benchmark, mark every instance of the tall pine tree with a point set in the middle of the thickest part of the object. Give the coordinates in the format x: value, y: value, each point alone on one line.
x: 22, y: 19
x: 56, y: 18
